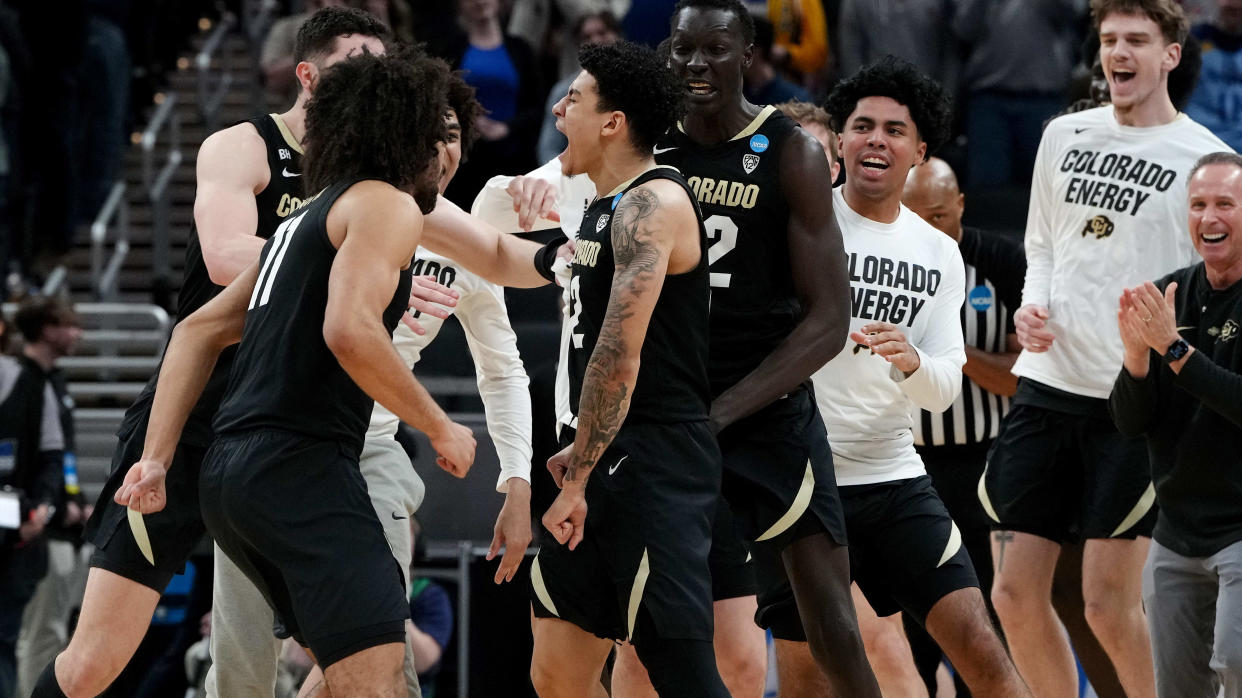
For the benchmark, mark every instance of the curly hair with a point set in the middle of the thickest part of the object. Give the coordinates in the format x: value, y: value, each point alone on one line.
x: 739, y: 10
x: 462, y: 101
x: 378, y: 117
x: 317, y: 35
x: 1167, y: 14
x: 636, y: 81
x: 894, y: 78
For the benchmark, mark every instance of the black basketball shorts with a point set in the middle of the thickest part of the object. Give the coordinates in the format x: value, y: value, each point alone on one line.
x: 651, y: 501
x: 169, y: 535
x: 1067, y: 477
x: 294, y: 515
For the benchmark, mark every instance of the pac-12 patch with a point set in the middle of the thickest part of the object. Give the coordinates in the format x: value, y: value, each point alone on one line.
x: 758, y: 143
x: 980, y: 298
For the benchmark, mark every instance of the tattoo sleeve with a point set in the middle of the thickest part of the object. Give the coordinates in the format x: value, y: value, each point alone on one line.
x: 613, y: 369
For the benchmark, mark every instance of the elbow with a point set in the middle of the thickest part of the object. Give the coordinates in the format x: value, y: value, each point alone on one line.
x: 217, y: 269
x: 343, y: 340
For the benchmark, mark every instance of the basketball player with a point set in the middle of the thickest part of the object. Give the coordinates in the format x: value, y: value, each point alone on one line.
x: 1108, y: 200
x: 249, y: 180
x: 280, y: 486
x: 778, y: 313
x: 907, y: 289
x: 246, y: 654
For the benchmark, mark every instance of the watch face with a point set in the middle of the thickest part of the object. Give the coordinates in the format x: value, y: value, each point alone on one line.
x: 1178, y: 349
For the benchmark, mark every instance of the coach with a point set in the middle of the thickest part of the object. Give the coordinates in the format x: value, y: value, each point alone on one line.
x: 1181, y: 386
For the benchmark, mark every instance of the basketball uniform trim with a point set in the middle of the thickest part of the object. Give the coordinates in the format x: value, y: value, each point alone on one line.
x: 284, y: 131
x: 797, y: 508
x: 750, y: 129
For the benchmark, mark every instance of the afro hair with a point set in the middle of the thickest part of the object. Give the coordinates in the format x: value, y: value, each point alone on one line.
x: 894, y: 78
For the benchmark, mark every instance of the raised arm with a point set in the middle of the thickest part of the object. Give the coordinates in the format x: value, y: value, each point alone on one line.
x: 232, y: 168
x: 377, y: 229
x: 645, y: 229
x: 501, y: 258
x: 818, y: 267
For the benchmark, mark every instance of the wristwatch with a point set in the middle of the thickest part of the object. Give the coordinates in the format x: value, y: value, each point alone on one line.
x: 1176, y: 351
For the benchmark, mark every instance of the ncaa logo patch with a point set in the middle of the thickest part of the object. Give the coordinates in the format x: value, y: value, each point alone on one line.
x: 603, y: 221
x: 758, y: 143
x: 749, y: 162
x: 980, y: 298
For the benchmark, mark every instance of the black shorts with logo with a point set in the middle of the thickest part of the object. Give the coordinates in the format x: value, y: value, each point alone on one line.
x: 173, y: 533
x: 1060, y: 470
x: 906, y: 552
x: 651, y: 502
x: 780, y: 483
x: 294, y: 515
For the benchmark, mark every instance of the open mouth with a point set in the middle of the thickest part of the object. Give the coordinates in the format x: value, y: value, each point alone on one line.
x: 1121, y: 77
x: 1214, y: 238
x: 700, y: 87
x: 874, y: 164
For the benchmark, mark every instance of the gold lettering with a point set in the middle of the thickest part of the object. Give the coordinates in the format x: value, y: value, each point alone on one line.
x: 586, y: 253
x: 288, y: 204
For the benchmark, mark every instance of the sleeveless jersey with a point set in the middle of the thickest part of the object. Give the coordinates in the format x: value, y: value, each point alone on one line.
x: 737, y: 184
x: 282, y: 195
x: 285, y: 376
x: 672, y: 383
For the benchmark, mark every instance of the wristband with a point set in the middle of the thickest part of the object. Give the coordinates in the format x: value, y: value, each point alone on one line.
x: 545, y: 257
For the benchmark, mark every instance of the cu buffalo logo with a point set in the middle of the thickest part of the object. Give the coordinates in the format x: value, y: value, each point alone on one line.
x: 1228, y: 331
x: 1099, y: 226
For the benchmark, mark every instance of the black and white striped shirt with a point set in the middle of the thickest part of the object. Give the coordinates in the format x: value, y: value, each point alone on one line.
x: 995, y: 269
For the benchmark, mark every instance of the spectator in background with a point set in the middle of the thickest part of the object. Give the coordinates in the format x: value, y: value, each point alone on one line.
x: 431, y: 620
x: 646, y: 22
x: 101, y: 131
x: 762, y: 82
x: 551, y: 27
x: 800, y: 35
x: 32, y: 470
x: 51, y: 331
x: 594, y: 28
x: 1180, y: 386
x: 506, y: 79
x: 1217, y: 102
x: 1021, y: 55
x: 919, y: 31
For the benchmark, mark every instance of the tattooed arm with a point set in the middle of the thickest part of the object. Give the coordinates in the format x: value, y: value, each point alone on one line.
x: 654, y: 232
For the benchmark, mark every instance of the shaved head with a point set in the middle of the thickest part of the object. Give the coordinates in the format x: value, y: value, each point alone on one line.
x: 931, y: 191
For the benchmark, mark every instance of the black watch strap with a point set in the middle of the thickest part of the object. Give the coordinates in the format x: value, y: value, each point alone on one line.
x: 1177, y: 350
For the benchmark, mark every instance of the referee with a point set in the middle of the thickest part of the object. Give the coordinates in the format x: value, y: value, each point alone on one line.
x: 954, y: 444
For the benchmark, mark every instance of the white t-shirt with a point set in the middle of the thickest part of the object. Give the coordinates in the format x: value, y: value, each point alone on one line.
x: 1108, y: 211
x: 910, y: 274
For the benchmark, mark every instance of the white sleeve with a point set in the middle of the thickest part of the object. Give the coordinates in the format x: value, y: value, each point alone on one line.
x: 503, y: 384
x: 1038, y: 287
x: 494, y: 205
x: 938, y: 380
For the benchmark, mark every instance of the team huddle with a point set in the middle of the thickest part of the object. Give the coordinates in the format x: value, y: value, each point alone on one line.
x: 754, y: 367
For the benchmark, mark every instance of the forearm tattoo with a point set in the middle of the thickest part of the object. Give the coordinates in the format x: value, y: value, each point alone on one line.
x: 606, y: 390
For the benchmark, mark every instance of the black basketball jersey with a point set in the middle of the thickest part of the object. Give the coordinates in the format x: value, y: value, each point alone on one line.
x: 282, y: 195
x: 737, y: 184
x: 285, y: 376
x: 672, y: 383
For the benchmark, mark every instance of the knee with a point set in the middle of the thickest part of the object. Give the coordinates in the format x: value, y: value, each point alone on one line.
x: 80, y: 674
x: 1105, y: 607
x: 1014, y: 601
x: 741, y: 664
x: 541, y: 677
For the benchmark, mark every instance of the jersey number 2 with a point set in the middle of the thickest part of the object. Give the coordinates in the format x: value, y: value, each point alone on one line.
x: 722, y: 232
x: 271, y: 266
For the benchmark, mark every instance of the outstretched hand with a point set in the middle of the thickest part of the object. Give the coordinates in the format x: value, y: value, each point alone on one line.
x: 428, y: 296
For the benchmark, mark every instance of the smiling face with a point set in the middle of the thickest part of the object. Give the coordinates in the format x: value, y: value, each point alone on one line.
x: 708, y: 56
x: 1215, y: 193
x: 1136, y: 60
x: 879, y: 146
x: 451, y: 156
x: 578, y: 117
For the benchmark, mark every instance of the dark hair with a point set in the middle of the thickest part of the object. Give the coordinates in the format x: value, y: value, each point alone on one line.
x: 735, y: 6
x: 1166, y: 13
x: 1223, y: 157
x: 901, y: 81
x: 378, y: 117
x: 1185, y: 75
x: 462, y: 101
x: 317, y: 35
x: 39, y: 312
x: 608, y: 18
x: 634, y: 80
